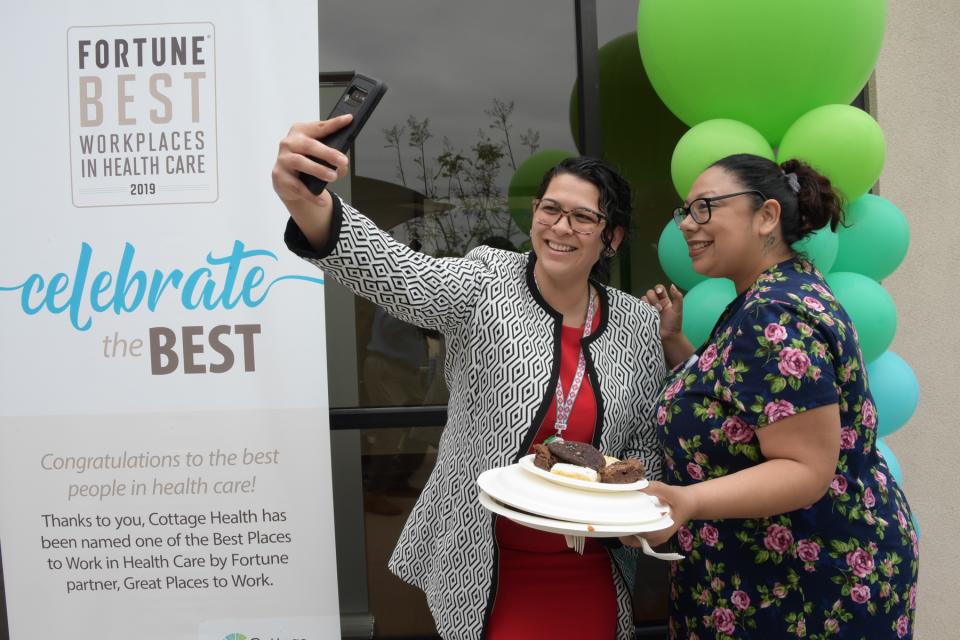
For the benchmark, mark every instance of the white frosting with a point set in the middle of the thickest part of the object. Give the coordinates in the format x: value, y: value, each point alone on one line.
x: 574, y: 471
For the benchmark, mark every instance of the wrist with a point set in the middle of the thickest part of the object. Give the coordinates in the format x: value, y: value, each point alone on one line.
x: 673, y: 338
x: 692, y: 502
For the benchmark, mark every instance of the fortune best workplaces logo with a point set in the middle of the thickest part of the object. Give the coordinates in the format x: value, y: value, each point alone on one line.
x: 143, y: 114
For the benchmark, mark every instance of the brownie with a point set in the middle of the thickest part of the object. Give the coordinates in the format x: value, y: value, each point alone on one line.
x: 623, y: 472
x: 579, y: 453
x: 544, y: 459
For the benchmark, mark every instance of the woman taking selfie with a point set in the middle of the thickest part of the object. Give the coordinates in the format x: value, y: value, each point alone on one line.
x: 536, y: 346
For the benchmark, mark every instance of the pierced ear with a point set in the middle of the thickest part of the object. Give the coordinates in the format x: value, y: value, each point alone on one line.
x: 768, y: 216
x: 618, y: 233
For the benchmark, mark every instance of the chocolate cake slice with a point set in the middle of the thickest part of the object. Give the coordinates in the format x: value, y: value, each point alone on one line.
x: 543, y: 459
x: 623, y: 472
x: 578, y: 453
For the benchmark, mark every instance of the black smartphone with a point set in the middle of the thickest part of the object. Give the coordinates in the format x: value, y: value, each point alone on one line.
x: 360, y: 98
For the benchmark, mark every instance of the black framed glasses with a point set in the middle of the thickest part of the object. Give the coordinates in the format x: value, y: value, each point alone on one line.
x: 582, y: 220
x: 701, y: 209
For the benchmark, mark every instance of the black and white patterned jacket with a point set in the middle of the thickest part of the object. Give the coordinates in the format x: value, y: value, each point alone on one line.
x: 502, y: 364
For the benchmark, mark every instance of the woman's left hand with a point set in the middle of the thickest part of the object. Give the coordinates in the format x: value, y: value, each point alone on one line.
x: 682, y: 509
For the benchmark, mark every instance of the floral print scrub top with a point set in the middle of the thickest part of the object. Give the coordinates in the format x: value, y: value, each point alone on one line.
x: 844, y: 567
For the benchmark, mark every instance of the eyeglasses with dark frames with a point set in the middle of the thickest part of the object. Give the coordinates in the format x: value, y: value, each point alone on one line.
x: 701, y: 209
x: 582, y: 220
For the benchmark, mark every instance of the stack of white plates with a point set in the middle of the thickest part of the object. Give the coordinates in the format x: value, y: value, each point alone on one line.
x: 548, y: 502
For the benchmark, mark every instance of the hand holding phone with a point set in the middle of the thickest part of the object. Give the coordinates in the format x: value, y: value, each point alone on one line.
x: 359, y: 99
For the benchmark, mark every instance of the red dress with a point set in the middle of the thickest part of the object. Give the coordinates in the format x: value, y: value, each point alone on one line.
x: 544, y: 589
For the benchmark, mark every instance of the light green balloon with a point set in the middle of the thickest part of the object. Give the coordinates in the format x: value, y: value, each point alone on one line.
x: 675, y: 258
x: 708, y: 142
x: 526, y: 181
x: 821, y: 247
x: 875, y: 240
x: 842, y: 142
x: 870, y: 308
x: 702, y: 306
x: 760, y: 62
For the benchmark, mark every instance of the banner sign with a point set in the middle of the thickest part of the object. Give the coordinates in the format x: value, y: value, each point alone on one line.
x: 164, y: 438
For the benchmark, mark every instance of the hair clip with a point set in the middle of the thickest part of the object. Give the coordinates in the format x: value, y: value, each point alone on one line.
x: 793, y: 181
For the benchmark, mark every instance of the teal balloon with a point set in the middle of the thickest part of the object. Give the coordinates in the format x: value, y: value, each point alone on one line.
x: 892, y: 463
x: 870, y: 308
x: 821, y: 247
x: 760, y: 62
x: 916, y: 525
x: 875, y: 240
x: 526, y: 181
x: 702, y: 306
x: 895, y: 390
x: 675, y: 258
x: 843, y: 143
x: 708, y: 142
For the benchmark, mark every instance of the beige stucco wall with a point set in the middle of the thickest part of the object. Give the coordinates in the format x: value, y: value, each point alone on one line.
x: 917, y: 101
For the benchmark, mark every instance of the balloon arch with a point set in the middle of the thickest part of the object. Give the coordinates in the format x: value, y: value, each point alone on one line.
x: 774, y: 79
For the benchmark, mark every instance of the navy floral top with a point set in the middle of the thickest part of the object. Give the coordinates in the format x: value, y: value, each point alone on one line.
x: 844, y: 567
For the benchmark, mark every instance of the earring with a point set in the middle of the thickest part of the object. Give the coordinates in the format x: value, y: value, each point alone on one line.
x: 609, y: 252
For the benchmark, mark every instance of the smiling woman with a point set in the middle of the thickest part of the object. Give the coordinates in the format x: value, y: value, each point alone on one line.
x: 580, y: 216
x: 596, y: 209
x: 573, y: 356
x: 791, y: 520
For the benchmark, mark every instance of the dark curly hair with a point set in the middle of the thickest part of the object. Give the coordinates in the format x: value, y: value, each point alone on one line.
x: 615, y: 202
x: 802, y: 212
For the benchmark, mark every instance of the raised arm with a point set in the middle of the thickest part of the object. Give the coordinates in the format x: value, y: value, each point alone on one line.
x: 425, y: 291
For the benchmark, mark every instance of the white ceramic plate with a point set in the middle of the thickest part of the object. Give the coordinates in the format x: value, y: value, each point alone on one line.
x: 519, y: 489
x: 572, y: 528
x: 527, y: 463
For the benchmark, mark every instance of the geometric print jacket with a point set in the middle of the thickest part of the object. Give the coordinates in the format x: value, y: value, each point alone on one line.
x: 501, y: 369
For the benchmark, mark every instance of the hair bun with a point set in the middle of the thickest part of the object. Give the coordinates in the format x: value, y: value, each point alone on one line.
x: 817, y: 202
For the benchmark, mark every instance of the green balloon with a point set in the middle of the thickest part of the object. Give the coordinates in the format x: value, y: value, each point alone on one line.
x: 875, y: 240
x: 870, y: 308
x: 526, y: 181
x: 842, y: 142
x: 702, y: 307
x: 760, y: 62
x: 708, y: 142
x: 675, y: 258
x: 821, y: 247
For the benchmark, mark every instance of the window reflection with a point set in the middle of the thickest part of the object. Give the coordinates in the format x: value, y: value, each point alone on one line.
x: 395, y: 465
x: 475, y: 89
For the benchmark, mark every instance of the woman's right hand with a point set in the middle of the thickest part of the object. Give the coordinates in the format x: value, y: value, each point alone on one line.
x: 311, y: 213
x: 676, y: 347
x: 300, y: 142
x: 670, y: 306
